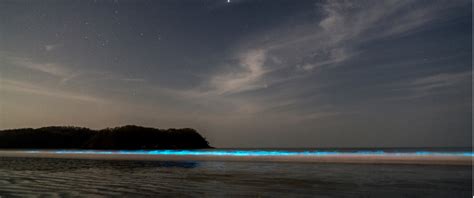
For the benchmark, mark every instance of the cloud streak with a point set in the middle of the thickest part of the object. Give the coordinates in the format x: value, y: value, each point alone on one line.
x: 331, y: 41
x: 47, y: 68
x: 52, y: 47
x: 431, y: 85
x: 16, y: 86
x: 251, y: 69
x: 294, y: 51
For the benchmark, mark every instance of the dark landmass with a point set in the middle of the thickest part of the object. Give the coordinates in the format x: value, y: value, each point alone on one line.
x: 125, y: 137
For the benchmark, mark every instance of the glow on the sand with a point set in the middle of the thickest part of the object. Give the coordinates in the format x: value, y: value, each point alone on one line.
x: 255, y: 153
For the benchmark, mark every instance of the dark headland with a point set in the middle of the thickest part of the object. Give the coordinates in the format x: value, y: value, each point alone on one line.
x: 126, y: 137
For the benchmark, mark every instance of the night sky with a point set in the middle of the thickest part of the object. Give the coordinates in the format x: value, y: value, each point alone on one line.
x: 244, y: 73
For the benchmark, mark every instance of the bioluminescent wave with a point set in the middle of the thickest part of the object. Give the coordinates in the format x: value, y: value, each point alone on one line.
x: 256, y: 153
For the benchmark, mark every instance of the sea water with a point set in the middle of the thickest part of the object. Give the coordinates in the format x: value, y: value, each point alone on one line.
x: 104, y: 178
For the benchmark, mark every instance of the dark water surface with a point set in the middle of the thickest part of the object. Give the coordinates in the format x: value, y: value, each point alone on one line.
x: 20, y: 177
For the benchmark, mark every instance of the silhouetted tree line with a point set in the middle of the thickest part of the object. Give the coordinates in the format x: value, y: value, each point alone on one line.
x: 126, y: 137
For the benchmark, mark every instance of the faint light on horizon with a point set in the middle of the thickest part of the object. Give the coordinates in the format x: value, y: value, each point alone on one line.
x: 258, y: 153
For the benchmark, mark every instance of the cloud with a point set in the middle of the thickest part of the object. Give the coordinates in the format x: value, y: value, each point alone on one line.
x: 250, y: 71
x: 17, y: 86
x: 48, y: 68
x: 57, y: 70
x: 64, y: 73
x: 133, y: 79
x: 433, y: 84
x: 343, y: 28
x: 51, y: 47
x: 439, y: 81
x: 339, y: 35
x: 295, y: 49
x: 320, y: 115
x: 325, y: 58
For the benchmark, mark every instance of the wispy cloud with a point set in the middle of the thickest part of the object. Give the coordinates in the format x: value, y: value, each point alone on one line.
x: 250, y: 70
x: 293, y: 51
x: 346, y: 25
x: 439, y: 81
x: 66, y: 83
x: 133, y: 79
x: 18, y: 86
x: 52, y: 47
x: 433, y: 84
x: 48, y: 68
x: 65, y: 74
x: 332, y: 41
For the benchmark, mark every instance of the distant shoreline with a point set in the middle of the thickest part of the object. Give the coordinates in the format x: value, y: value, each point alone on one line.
x: 128, y: 137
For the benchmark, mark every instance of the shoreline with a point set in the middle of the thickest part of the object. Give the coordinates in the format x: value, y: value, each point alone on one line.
x: 347, y: 158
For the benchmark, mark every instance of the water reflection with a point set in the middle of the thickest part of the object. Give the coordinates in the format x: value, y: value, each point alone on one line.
x: 60, y: 165
x: 36, y: 177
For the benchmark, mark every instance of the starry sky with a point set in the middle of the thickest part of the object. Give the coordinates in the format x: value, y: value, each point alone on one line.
x: 244, y: 73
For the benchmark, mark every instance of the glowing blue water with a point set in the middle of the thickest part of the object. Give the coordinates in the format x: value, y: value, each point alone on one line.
x: 258, y: 153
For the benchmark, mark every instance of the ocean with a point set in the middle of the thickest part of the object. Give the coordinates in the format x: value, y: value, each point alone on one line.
x: 63, y: 177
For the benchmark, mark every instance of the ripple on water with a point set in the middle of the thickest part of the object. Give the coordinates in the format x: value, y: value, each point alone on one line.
x: 100, y: 178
